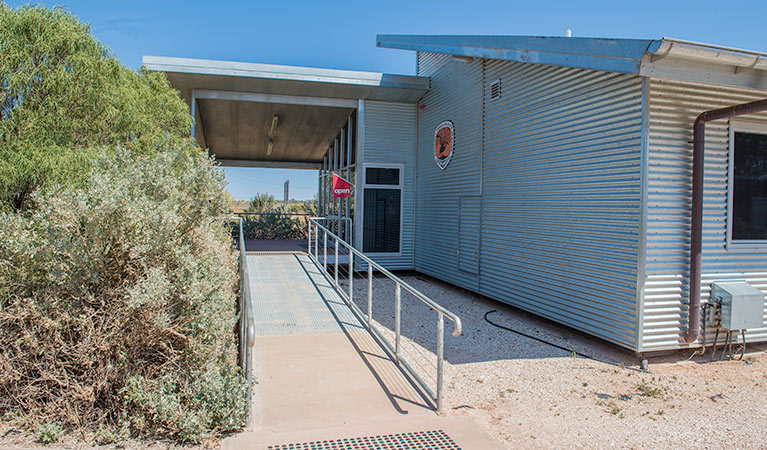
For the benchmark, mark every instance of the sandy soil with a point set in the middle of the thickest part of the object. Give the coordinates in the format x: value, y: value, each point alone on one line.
x: 530, y: 395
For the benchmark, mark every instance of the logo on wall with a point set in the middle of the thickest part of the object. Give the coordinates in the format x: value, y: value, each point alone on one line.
x: 444, y: 137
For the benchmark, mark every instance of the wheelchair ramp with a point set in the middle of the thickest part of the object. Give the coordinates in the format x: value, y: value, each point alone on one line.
x: 323, y: 381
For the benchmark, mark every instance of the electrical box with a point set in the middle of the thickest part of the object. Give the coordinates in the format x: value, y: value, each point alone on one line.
x: 742, y: 304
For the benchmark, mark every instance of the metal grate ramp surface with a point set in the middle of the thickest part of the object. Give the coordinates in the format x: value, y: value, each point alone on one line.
x: 419, y: 440
x: 291, y: 296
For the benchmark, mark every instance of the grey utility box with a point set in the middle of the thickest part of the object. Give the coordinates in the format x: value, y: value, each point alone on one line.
x: 742, y: 304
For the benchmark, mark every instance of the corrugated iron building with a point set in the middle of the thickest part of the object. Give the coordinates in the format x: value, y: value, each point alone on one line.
x: 568, y: 194
x: 567, y: 190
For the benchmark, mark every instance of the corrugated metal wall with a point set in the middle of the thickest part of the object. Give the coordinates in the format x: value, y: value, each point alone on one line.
x: 469, y: 209
x: 556, y: 162
x: 673, y: 106
x: 455, y: 94
x: 561, y: 198
x: 389, y: 138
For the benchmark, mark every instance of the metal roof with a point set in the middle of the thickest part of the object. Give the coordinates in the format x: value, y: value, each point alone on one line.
x: 234, y: 103
x: 662, y: 58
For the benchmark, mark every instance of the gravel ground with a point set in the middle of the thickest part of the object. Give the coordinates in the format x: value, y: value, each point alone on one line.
x: 530, y: 395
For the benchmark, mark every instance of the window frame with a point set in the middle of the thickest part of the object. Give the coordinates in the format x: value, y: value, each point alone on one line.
x: 747, y: 245
x: 400, y: 186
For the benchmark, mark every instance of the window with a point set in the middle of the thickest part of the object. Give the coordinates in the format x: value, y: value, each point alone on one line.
x: 748, y: 182
x: 382, y: 210
x: 382, y: 175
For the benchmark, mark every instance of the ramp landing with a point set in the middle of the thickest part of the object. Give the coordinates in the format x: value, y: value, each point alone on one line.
x: 322, y: 378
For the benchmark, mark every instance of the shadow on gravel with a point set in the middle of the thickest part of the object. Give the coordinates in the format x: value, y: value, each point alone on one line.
x: 480, y: 340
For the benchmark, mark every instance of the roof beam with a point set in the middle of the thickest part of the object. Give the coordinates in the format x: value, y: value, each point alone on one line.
x: 273, y: 98
x: 268, y: 164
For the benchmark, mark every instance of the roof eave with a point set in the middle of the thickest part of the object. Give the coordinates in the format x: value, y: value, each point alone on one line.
x: 612, y: 55
x: 706, y: 63
x: 360, y: 84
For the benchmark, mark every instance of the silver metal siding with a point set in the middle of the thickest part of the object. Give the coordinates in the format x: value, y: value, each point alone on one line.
x: 673, y: 107
x: 469, y: 233
x: 561, y: 196
x: 455, y: 94
x: 427, y: 64
x: 390, y: 139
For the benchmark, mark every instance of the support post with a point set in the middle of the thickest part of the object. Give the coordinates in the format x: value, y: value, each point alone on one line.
x: 349, y: 149
x: 321, y: 209
x: 341, y: 211
x: 309, y: 237
x: 336, y: 274
x: 325, y: 253
x: 351, y: 276
x: 397, y: 307
x: 334, y: 210
x: 440, y: 358
x: 370, y: 293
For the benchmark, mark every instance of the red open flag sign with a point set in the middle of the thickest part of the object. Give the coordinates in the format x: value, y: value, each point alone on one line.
x: 341, y: 187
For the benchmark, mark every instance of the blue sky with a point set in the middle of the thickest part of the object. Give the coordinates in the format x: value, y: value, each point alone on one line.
x: 341, y: 34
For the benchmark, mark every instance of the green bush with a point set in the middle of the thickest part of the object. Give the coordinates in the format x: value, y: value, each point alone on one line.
x: 118, y: 301
x: 273, y: 226
x: 47, y: 433
x: 64, y: 97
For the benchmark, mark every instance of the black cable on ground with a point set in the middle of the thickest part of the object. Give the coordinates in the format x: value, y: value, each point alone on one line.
x: 569, y: 350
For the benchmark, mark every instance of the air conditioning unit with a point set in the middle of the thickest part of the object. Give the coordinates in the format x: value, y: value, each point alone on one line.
x: 742, y: 305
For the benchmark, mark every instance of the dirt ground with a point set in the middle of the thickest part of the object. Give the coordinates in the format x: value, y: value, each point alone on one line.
x: 13, y: 437
x: 530, y: 395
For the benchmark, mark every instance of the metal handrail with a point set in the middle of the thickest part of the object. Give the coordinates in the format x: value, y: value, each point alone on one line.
x: 348, y: 225
x: 394, y: 350
x: 247, y: 326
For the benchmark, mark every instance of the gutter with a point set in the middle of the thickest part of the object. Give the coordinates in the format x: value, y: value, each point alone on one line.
x: 696, y: 225
x: 711, y: 54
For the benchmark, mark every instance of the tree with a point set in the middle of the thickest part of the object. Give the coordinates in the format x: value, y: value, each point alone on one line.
x: 64, y: 97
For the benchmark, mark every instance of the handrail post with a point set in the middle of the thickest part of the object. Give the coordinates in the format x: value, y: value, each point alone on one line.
x: 440, y: 357
x: 309, y: 237
x: 316, y: 243
x: 370, y: 293
x: 325, y: 253
x: 397, y: 307
x: 336, y: 274
x: 351, y: 275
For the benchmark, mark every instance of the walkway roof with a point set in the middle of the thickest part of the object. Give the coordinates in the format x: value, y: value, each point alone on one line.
x: 663, y: 58
x: 234, y: 104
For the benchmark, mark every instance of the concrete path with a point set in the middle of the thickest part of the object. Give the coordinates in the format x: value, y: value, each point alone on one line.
x: 323, y: 381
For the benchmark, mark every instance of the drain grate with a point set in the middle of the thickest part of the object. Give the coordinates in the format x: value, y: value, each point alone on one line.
x: 419, y: 440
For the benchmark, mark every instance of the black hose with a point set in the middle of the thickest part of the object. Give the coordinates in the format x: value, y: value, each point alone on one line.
x: 569, y: 350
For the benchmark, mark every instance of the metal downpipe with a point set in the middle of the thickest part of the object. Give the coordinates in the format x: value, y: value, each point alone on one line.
x: 696, y: 219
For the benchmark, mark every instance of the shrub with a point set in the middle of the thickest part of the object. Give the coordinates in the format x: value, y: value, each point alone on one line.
x: 63, y: 96
x: 47, y: 433
x: 118, y: 301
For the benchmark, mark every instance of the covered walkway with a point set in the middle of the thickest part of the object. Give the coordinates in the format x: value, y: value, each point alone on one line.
x: 323, y: 381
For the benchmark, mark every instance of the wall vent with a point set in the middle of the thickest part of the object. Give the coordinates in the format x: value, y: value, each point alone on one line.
x: 495, y: 90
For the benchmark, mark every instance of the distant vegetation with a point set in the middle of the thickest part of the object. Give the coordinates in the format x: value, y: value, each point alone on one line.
x: 267, y: 218
x: 118, y: 278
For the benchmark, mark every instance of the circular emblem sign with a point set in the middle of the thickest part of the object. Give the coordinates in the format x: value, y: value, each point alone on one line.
x: 444, y: 137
